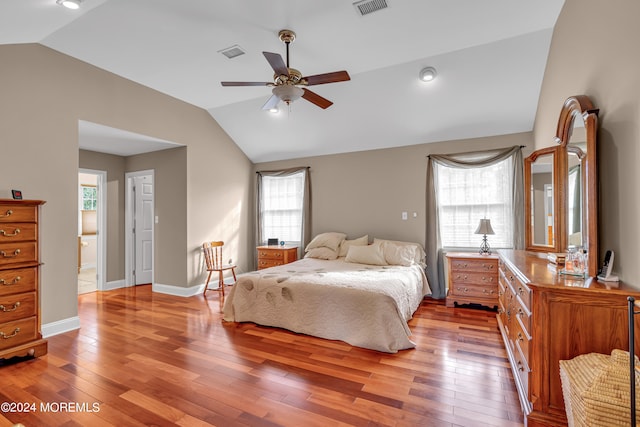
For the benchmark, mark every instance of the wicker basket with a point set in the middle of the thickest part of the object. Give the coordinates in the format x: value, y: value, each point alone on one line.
x: 596, y: 389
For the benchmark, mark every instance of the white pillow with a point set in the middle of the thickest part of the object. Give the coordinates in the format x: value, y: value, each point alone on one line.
x: 321, y: 253
x: 370, y: 254
x: 360, y: 241
x: 419, y: 254
x: 330, y: 240
x: 399, y: 254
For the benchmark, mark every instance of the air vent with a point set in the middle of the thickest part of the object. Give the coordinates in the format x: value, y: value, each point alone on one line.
x: 365, y: 7
x: 232, y: 52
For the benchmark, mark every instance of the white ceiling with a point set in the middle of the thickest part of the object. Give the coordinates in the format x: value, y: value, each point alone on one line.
x: 490, y: 56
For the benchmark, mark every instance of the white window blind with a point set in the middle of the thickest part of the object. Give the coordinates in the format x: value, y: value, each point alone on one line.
x: 466, y: 195
x: 281, y: 207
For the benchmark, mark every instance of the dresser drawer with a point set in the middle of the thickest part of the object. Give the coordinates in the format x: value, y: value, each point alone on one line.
x: 17, y: 213
x: 18, y: 332
x: 19, y: 252
x: 478, y: 265
x: 18, y: 280
x: 17, y: 306
x: 463, y: 277
x: 17, y: 232
x: 270, y: 254
x: 266, y: 263
x: 473, y: 290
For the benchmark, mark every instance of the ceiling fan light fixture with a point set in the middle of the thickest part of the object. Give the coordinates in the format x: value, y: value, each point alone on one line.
x: 288, y: 93
x: 70, y: 4
x: 274, y: 110
x: 428, y: 74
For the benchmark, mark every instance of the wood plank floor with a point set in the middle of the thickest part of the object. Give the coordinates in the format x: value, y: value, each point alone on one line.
x: 148, y: 359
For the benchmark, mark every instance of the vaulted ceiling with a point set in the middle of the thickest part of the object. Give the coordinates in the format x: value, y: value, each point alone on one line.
x: 490, y: 57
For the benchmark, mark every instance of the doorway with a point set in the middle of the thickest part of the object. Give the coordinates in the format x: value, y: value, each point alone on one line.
x: 91, y: 230
x: 139, y: 227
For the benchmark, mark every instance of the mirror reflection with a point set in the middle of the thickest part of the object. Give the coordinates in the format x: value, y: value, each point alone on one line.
x: 542, y: 206
x: 576, y: 152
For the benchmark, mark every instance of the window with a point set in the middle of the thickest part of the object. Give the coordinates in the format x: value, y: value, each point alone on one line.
x: 281, y: 207
x: 89, y: 198
x: 466, y: 195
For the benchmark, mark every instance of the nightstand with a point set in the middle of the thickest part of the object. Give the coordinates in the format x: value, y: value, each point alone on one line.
x: 270, y: 256
x: 473, y: 279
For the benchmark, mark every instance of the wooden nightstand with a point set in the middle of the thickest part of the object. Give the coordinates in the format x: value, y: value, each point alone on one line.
x: 473, y: 279
x: 270, y: 256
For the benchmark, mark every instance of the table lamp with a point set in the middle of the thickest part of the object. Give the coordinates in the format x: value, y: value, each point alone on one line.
x: 484, y: 228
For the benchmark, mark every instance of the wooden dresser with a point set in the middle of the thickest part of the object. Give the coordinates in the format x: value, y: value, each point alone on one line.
x: 545, y: 317
x: 20, y: 330
x: 270, y: 256
x: 473, y: 279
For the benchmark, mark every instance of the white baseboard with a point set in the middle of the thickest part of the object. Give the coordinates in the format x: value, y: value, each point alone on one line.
x: 115, y: 284
x: 180, y: 291
x: 60, y: 327
x: 177, y: 290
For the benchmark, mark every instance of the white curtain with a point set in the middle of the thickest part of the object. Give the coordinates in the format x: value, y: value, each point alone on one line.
x: 462, y: 209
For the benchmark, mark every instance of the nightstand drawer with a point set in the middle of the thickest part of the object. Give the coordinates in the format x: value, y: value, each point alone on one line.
x: 470, y: 290
x: 17, y: 306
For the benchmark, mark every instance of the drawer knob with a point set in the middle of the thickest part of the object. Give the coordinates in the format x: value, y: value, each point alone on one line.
x: 463, y: 290
x: 15, y: 254
x: 520, y: 312
x: 520, y: 366
x: 14, y: 234
x: 484, y: 291
x: 520, y: 290
x: 6, y: 337
x: 520, y: 337
x: 13, y: 282
x: 7, y: 310
x: 9, y: 212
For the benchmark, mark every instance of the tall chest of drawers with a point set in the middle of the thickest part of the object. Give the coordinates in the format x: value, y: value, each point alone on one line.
x: 20, y: 323
x: 545, y: 317
x: 473, y: 279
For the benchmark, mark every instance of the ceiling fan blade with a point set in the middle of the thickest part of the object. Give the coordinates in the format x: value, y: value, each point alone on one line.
x: 314, y: 98
x: 277, y: 63
x: 245, y: 83
x: 271, y: 103
x: 336, y: 76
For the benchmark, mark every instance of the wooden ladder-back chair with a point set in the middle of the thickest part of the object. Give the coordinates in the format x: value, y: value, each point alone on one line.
x: 213, y: 259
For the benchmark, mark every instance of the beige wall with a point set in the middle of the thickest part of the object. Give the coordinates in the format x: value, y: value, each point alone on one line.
x: 44, y: 94
x: 366, y: 192
x: 594, y: 52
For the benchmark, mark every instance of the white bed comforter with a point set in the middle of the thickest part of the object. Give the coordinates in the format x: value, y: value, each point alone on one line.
x: 363, y: 305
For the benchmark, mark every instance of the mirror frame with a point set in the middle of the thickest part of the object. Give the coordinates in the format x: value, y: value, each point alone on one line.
x: 580, y: 106
x: 529, y: 238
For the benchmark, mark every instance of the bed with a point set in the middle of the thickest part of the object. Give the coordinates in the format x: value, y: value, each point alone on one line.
x: 362, y: 304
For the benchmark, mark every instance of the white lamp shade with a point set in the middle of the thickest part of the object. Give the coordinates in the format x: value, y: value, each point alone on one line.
x: 484, y: 227
x: 288, y: 93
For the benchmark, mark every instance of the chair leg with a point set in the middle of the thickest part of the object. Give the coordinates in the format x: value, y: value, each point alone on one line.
x: 206, y: 285
x: 221, y: 281
x: 233, y: 271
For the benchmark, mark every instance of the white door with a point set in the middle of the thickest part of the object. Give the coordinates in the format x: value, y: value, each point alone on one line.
x: 143, y: 229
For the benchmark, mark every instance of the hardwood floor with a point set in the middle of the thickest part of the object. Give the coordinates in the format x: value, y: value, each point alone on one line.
x: 143, y: 358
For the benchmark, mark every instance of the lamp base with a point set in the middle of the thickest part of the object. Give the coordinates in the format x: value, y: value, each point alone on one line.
x: 485, y: 249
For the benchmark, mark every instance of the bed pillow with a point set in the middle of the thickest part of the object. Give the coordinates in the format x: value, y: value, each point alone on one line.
x: 419, y: 253
x: 321, y: 253
x: 370, y: 254
x: 346, y: 244
x: 330, y: 240
x: 395, y: 254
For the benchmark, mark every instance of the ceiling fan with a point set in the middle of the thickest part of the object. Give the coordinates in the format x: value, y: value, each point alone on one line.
x: 287, y: 81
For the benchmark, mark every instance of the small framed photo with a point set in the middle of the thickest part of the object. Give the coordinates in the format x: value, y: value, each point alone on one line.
x: 272, y: 242
x: 17, y: 194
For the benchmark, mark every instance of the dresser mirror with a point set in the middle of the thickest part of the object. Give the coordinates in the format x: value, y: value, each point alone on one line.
x: 561, y: 207
x: 541, y: 183
x: 576, y: 135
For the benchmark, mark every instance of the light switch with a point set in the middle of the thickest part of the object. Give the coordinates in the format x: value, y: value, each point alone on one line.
x: 156, y: 219
x: 404, y: 216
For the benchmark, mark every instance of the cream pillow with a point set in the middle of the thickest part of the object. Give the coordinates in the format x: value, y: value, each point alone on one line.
x: 419, y: 253
x: 370, y: 254
x: 346, y: 244
x: 321, y: 253
x: 399, y: 254
x: 330, y: 240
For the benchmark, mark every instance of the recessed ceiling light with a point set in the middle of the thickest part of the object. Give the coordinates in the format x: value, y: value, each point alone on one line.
x: 70, y: 4
x: 427, y: 74
x: 274, y: 110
